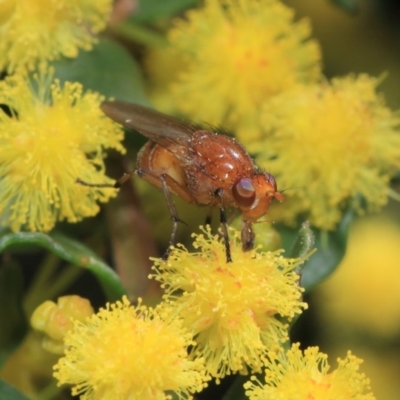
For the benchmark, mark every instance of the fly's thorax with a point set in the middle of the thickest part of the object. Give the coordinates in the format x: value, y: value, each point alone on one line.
x: 221, y: 157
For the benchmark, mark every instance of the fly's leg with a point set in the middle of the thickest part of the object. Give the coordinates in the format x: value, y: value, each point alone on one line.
x: 174, y: 215
x: 168, y: 185
x: 208, y: 217
x: 163, y: 181
x: 118, y: 183
x: 225, y: 234
x: 222, y: 215
x: 247, y: 236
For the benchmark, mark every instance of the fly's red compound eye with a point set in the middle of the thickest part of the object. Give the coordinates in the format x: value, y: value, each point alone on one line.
x: 271, y: 180
x: 243, y: 192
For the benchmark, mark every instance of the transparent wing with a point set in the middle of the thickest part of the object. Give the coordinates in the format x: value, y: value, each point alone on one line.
x: 158, y: 127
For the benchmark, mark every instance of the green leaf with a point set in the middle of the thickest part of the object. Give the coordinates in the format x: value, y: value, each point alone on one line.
x: 108, y: 69
x: 304, y: 241
x: 72, y: 251
x: 303, y: 245
x: 148, y: 10
x: 7, y: 392
x: 331, y: 248
x: 351, y: 6
x: 13, y: 323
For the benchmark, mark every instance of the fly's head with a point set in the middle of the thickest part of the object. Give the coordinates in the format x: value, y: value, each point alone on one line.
x: 254, y: 195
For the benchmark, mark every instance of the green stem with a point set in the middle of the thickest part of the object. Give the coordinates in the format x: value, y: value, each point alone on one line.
x: 140, y: 34
x: 64, y: 280
x: 51, y: 391
x: 51, y: 288
x: 40, y: 284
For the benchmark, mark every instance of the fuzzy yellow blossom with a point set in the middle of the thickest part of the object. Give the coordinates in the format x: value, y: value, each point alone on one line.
x: 39, y: 30
x: 363, y: 295
x: 334, y: 145
x: 7, y: 8
x: 53, y: 135
x: 125, y: 352
x: 306, y: 375
x: 232, y: 55
x: 56, y: 319
x: 237, y: 311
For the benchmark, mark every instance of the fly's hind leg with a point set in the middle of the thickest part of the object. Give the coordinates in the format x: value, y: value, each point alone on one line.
x: 168, y: 185
x: 163, y: 181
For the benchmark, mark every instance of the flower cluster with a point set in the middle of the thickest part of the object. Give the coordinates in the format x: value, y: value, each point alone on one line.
x: 34, y: 31
x: 216, y: 318
x: 305, y: 375
x: 231, y: 316
x: 52, y: 135
x: 227, y: 57
x: 127, y: 352
x: 238, y: 311
x: 248, y: 66
x: 347, y: 142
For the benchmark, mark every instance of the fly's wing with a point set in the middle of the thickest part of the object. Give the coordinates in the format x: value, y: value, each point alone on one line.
x: 167, y: 131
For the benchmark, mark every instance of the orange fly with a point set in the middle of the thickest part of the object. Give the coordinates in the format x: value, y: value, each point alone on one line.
x: 201, y: 167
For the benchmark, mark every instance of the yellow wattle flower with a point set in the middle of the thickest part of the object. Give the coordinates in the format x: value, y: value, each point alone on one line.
x: 127, y: 352
x: 54, y: 135
x: 299, y: 375
x: 334, y: 145
x: 7, y: 8
x: 38, y: 30
x: 237, y: 311
x: 228, y: 57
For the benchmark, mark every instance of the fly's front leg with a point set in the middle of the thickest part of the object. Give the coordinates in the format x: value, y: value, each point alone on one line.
x: 247, y: 236
x: 222, y: 214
